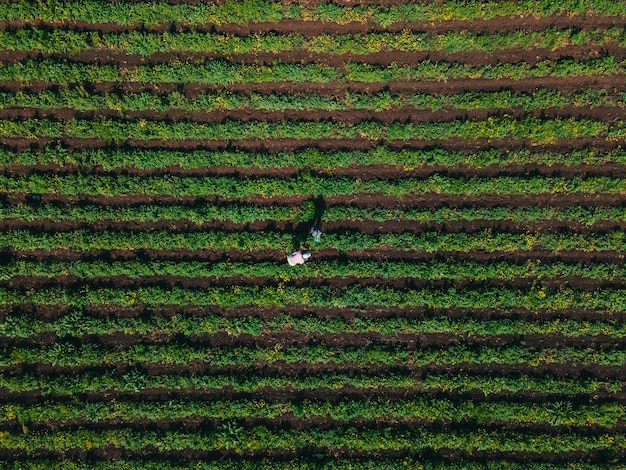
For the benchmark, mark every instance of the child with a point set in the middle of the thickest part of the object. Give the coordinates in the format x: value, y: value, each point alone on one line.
x: 316, y: 232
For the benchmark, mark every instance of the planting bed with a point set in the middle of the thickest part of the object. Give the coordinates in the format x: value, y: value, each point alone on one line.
x: 465, y: 308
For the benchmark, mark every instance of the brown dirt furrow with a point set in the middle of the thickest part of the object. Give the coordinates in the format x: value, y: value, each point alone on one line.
x: 404, y: 114
x: 364, y: 173
x: 428, y: 200
x: 470, y: 57
x: 312, y: 28
x: 51, y: 312
x: 292, y: 422
x: 560, y: 370
x: 68, y: 281
x: 325, y: 254
x: 599, y: 144
x: 321, y: 455
x: 291, y: 338
x: 612, y: 84
x: 370, y: 227
x: 319, y: 394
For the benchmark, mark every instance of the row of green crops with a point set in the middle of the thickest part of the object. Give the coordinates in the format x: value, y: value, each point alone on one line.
x: 305, y: 185
x: 256, y: 462
x: 429, y: 241
x: 537, y: 130
x: 80, y: 99
x: 66, y: 354
x: 77, y: 324
x: 223, y: 73
x: 261, y: 437
x: 55, y: 41
x: 430, y: 270
x: 554, y: 413
x: 248, y: 11
x: 304, y: 159
x: 205, y: 213
x: 322, y: 296
x: 64, y: 384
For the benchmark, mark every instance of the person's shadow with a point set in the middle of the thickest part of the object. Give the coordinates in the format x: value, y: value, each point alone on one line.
x: 301, y: 232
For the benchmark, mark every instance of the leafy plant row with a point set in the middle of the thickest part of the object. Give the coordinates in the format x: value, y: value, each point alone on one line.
x: 304, y: 184
x: 111, y: 159
x: 224, y: 73
x: 244, y: 213
x: 269, y: 11
x: 324, y: 296
x: 258, y: 438
x: 429, y: 270
x: 256, y: 463
x: 132, y: 384
x: 556, y: 414
x: 537, y: 130
x: 136, y: 42
x: 76, y: 324
x: 428, y: 241
x: 80, y: 99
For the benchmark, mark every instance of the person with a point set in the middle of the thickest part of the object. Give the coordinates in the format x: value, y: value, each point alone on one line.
x: 297, y: 257
x: 316, y: 232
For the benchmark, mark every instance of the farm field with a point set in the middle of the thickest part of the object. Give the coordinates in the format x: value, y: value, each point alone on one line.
x: 464, y: 309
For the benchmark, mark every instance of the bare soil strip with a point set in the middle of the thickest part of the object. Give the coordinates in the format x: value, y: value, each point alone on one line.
x: 51, y: 312
x: 365, y: 201
x: 320, y: 455
x: 405, y: 114
x: 290, y: 338
x: 382, y: 254
x: 560, y: 370
x: 312, y: 28
x: 370, y: 227
x: 452, y: 86
x: 318, y: 394
x: 470, y: 57
x: 25, y: 283
x: 290, y: 421
x: 461, y: 144
x: 364, y: 173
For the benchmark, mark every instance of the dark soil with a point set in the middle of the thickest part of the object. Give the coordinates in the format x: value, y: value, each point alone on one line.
x: 473, y: 58
x: 364, y: 173
x: 454, y: 144
x: 406, y: 114
x: 570, y: 84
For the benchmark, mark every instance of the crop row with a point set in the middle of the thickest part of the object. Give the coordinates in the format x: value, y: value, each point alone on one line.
x: 324, y: 296
x: 428, y: 241
x: 294, y: 352
x: 436, y: 274
x: 421, y: 411
x: 370, y: 442
x: 224, y: 73
x: 537, y: 130
x: 134, y: 384
x: 80, y: 324
x: 287, y: 217
x: 304, y: 184
x: 427, y: 160
x: 432, y: 269
x: 267, y: 11
x: 238, y: 462
x: 72, y: 42
x: 80, y: 99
